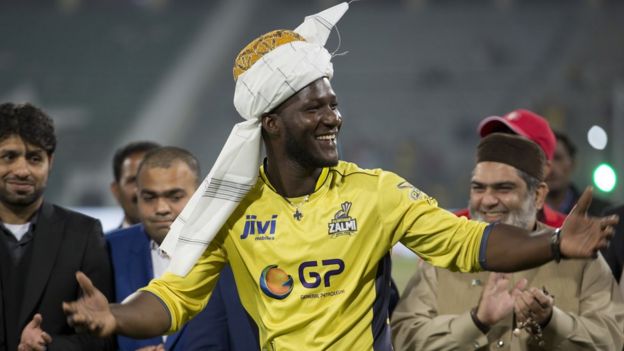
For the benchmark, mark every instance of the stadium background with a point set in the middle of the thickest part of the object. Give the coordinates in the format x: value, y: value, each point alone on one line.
x: 415, y: 79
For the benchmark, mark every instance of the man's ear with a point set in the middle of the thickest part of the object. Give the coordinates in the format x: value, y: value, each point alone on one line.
x: 114, y: 188
x: 270, y: 124
x: 50, y: 162
x: 540, y: 195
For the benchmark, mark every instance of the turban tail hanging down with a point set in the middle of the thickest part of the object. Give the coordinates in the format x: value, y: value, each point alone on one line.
x: 267, y: 71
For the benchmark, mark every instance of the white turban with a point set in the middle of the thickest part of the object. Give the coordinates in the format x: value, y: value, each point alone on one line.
x: 271, y: 80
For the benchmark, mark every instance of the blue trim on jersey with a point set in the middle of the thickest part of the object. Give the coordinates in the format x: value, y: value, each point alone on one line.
x: 382, y: 335
x: 482, y: 249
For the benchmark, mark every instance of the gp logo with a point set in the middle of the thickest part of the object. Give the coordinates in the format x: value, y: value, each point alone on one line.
x: 278, y: 284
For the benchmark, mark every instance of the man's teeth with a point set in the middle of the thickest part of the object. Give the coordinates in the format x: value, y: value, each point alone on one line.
x: 326, y: 137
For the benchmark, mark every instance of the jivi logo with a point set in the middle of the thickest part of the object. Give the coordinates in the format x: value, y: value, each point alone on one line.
x: 263, y: 230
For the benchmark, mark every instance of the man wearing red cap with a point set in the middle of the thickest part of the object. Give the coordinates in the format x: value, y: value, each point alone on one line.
x: 535, y: 128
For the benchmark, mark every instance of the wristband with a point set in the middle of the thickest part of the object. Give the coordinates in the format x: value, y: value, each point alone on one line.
x: 555, y: 245
x: 482, y: 327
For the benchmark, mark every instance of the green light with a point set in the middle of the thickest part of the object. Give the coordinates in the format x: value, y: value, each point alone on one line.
x: 605, y: 177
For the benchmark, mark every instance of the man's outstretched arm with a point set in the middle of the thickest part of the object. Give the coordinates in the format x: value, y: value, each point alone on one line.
x: 141, y: 316
x: 511, y: 249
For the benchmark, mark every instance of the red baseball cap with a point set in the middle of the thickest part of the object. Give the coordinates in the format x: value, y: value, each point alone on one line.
x: 525, y: 123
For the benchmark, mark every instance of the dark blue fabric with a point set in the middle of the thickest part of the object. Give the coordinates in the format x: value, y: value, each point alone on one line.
x: 384, y: 290
x: 483, y: 248
x: 614, y: 253
x: 222, y: 325
x: 224, y: 316
x: 129, y: 250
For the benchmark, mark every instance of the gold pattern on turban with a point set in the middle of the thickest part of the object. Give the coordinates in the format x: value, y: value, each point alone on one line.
x: 260, y: 46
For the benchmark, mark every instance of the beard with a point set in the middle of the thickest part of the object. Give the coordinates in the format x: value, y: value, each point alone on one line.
x: 20, y: 200
x: 522, y: 217
x: 302, y: 155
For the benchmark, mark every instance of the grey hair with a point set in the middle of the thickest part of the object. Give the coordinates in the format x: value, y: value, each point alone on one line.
x: 531, y: 182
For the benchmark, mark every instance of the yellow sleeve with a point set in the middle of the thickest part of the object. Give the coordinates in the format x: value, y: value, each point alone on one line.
x: 436, y: 235
x: 186, y: 296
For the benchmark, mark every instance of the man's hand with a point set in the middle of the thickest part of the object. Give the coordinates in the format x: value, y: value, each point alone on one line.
x: 91, y: 311
x: 582, y: 236
x: 33, y: 337
x: 497, y: 301
x: 533, y: 303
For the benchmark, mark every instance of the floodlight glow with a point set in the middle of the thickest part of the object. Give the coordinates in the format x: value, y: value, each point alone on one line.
x: 597, y: 137
x: 605, y: 177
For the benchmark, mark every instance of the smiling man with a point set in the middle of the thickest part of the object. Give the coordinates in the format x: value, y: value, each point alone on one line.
x: 536, y: 128
x: 41, y: 244
x: 308, y: 236
x: 508, y: 187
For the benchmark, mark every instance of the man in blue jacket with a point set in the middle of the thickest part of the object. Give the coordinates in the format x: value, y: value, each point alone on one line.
x: 166, y: 179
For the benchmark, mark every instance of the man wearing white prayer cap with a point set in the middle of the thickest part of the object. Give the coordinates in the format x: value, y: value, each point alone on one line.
x: 308, y: 236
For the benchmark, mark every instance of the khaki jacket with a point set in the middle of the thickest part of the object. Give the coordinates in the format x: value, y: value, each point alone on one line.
x: 434, y: 311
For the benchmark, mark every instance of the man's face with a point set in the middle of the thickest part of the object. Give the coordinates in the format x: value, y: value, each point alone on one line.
x: 125, y: 191
x: 499, y: 194
x: 163, y: 193
x: 561, y: 171
x: 311, y: 122
x: 24, y: 170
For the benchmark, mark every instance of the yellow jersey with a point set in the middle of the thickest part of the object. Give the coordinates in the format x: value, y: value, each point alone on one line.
x: 313, y: 271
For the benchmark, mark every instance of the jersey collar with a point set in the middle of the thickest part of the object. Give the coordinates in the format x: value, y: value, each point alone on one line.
x: 319, y: 182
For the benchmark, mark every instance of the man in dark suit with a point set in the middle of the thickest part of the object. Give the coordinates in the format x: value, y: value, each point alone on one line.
x: 166, y: 179
x: 41, y: 245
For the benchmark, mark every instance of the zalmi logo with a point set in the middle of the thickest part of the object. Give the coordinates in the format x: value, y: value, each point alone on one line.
x: 342, y: 224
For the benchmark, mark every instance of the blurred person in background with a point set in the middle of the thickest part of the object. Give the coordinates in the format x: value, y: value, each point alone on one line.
x: 579, y: 309
x: 42, y: 245
x: 166, y: 179
x: 614, y: 253
x: 125, y: 165
x: 563, y: 193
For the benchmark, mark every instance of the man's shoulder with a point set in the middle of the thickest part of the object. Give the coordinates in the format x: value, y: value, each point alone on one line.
x: 346, y: 168
x: 570, y: 273
x: 125, y: 234
x: 350, y: 170
x: 50, y: 210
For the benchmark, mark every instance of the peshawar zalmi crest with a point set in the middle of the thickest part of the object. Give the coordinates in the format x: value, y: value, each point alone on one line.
x: 414, y: 193
x: 342, y: 224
